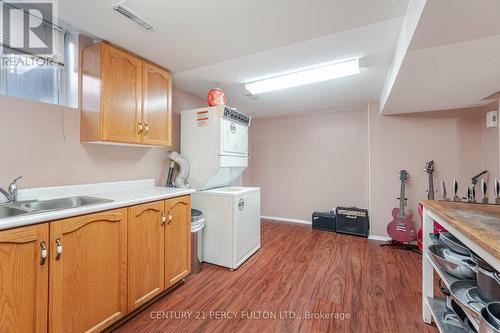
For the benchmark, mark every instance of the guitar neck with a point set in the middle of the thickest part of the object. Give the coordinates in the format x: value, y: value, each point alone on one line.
x: 430, y: 195
x: 402, y: 200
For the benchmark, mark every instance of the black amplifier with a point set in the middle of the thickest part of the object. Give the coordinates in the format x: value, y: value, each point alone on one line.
x: 353, y: 221
x: 323, y: 221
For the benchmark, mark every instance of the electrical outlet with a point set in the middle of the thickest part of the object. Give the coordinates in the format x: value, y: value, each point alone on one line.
x: 492, y: 119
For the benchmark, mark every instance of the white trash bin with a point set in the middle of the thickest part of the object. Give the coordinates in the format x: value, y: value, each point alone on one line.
x: 197, y: 225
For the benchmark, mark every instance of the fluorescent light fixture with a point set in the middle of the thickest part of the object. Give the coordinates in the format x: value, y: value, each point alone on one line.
x: 306, y: 76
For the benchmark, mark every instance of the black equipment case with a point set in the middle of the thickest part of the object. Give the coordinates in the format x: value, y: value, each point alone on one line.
x: 352, y: 221
x: 323, y: 221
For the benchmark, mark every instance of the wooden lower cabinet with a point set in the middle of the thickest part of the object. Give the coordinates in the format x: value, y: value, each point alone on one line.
x: 97, y: 269
x: 146, y: 253
x: 88, y: 272
x: 177, y: 239
x: 23, y: 279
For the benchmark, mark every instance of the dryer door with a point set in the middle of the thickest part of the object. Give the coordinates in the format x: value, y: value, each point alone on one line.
x: 234, y: 138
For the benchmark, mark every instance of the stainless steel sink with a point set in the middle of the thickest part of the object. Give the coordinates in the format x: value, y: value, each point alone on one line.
x: 9, y: 211
x: 35, y: 206
x: 63, y: 203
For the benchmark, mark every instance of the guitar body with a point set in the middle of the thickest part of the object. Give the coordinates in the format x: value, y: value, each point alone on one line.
x: 400, y: 228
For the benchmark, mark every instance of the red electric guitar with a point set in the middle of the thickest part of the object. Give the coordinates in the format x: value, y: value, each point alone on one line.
x: 400, y: 228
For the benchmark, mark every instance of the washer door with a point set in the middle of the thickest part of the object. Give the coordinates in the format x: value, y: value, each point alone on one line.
x: 246, y: 226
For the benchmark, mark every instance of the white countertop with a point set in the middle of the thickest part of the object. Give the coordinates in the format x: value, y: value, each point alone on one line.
x: 123, y: 194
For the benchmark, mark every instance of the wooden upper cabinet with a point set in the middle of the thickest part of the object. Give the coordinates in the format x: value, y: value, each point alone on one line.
x: 124, y: 99
x: 88, y: 272
x: 177, y: 239
x: 24, y: 278
x: 146, y: 252
x: 121, y: 96
x: 157, y: 105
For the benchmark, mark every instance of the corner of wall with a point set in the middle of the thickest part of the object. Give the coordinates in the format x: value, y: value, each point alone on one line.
x: 373, y: 108
x: 410, y: 24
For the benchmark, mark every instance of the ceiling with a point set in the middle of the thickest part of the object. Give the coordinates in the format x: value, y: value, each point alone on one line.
x: 453, y: 59
x: 372, y: 44
x: 222, y: 43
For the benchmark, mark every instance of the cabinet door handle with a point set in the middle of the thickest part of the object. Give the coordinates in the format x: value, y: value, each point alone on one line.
x: 59, y: 249
x: 140, y: 127
x: 169, y: 217
x: 163, y: 219
x: 169, y: 212
x: 43, y: 255
x: 146, y: 128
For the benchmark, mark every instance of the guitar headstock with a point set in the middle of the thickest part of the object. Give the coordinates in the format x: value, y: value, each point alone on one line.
x: 429, y: 167
x: 404, y: 175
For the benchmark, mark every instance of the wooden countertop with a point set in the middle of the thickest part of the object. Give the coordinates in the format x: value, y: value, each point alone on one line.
x: 479, y: 223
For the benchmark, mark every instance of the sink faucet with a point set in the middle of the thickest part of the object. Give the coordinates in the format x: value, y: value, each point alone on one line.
x: 11, y: 195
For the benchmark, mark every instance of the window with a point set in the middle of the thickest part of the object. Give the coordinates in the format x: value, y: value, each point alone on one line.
x: 46, y: 78
x: 25, y: 78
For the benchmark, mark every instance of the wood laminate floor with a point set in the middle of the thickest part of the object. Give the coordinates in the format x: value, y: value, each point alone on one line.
x: 297, y: 271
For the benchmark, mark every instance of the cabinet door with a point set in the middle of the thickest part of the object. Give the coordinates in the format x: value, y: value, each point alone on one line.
x: 24, y: 280
x: 121, y: 96
x: 157, y: 110
x: 146, y: 253
x: 177, y: 239
x: 88, y: 279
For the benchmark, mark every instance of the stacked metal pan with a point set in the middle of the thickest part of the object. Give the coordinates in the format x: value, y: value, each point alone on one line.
x: 478, y: 289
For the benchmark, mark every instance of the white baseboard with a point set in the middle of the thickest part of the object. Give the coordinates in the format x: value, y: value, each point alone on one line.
x: 379, y: 238
x: 285, y: 219
x: 288, y: 219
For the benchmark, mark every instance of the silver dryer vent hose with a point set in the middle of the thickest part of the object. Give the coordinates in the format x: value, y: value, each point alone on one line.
x: 181, y: 180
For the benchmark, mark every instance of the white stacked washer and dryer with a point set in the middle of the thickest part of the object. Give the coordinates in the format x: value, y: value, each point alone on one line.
x: 215, y: 142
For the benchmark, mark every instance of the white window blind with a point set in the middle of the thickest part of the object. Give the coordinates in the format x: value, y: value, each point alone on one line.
x: 15, y: 32
x: 27, y: 73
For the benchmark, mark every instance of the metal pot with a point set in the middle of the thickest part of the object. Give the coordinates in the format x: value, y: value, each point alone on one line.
x: 480, y: 262
x: 493, y: 310
x: 459, y: 268
x: 488, y: 285
x: 486, y: 325
x: 453, y: 243
x: 459, y: 291
x: 446, y: 292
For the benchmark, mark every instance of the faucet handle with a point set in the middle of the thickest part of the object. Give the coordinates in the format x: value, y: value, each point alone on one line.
x: 15, y: 180
x: 13, y: 189
x: 13, y: 185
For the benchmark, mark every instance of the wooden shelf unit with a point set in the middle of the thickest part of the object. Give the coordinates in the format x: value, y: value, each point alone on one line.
x: 472, y: 225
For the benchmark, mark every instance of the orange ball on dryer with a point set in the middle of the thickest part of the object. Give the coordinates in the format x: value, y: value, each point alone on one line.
x: 216, y: 96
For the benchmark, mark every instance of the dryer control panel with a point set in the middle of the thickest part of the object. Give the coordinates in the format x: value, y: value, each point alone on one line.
x: 236, y: 116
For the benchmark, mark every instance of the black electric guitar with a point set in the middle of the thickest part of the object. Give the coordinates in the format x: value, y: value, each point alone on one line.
x: 429, y: 168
